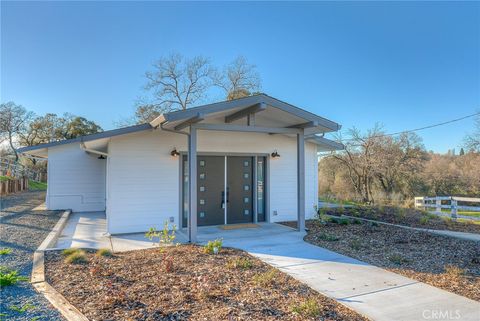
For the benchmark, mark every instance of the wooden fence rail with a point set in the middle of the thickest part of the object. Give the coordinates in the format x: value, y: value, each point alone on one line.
x: 448, y: 202
x: 11, y: 186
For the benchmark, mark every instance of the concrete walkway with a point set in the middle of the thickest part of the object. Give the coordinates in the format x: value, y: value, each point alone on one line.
x: 372, y: 291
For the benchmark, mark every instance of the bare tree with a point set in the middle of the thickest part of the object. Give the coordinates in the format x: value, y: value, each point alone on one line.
x: 13, y: 120
x: 238, y: 79
x: 359, y: 158
x: 176, y: 83
x: 472, y: 141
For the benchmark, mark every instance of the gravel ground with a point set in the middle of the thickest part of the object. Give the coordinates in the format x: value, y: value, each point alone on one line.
x: 22, y: 230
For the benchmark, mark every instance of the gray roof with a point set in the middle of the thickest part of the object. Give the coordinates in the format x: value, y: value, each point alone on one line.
x: 205, y: 109
x: 246, y: 102
x: 105, y: 134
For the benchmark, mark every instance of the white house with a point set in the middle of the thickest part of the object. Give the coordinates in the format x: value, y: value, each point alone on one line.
x: 252, y: 159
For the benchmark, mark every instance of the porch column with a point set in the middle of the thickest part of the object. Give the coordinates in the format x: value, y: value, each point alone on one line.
x: 192, y: 185
x: 301, y: 181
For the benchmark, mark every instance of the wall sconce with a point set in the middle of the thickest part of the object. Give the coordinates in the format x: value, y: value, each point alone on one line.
x: 174, y: 152
x: 275, y: 154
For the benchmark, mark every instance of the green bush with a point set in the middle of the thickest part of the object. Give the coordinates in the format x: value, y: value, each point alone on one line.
x: 355, y: 244
x: 266, y: 278
x: 10, y: 277
x: 424, y: 219
x: 397, y: 259
x: 213, y: 247
x: 340, y: 220
x: 78, y: 257
x: 328, y: 237
x: 307, y: 309
x: 165, y: 236
x: 5, y: 251
x: 240, y: 263
x: 69, y: 251
x: 104, y: 252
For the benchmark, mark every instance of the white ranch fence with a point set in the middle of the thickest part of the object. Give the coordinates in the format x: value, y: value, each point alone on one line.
x: 451, y: 203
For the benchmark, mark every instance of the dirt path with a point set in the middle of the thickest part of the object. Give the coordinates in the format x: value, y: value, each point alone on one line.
x: 22, y: 230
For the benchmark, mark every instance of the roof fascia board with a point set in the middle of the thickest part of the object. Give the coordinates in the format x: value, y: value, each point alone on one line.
x: 213, y: 108
x: 326, y: 142
x: 105, y: 134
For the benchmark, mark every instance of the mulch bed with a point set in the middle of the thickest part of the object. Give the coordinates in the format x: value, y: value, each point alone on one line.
x: 184, y: 283
x: 406, y: 216
x: 444, y: 262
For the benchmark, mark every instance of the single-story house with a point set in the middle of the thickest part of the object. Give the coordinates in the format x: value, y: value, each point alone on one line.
x: 252, y: 159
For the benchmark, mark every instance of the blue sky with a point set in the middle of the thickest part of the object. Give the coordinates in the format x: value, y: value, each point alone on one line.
x: 404, y: 65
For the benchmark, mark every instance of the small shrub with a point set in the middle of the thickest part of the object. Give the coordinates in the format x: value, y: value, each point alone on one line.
x: 266, y: 278
x: 240, y: 263
x: 104, y: 252
x: 454, y: 271
x: 165, y: 236
x: 401, y: 213
x: 355, y: 244
x: 424, y: 220
x: 328, y: 237
x: 10, y: 277
x: 340, y: 220
x: 397, y: 259
x: 213, y: 247
x: 5, y: 251
x: 307, y: 309
x: 356, y: 221
x: 24, y: 308
x: 322, y: 217
x: 78, y: 257
x: 373, y: 224
x: 70, y: 251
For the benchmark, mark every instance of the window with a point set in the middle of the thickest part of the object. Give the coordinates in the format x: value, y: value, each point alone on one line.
x: 202, y: 163
x: 202, y: 188
x: 202, y: 202
x: 202, y: 214
x: 202, y: 175
x: 246, y: 163
x: 246, y: 187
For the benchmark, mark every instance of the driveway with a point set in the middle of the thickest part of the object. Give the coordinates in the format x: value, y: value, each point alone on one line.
x: 372, y: 291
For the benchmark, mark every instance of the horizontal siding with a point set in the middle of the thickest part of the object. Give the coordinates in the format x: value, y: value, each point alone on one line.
x: 143, y: 179
x: 76, y: 180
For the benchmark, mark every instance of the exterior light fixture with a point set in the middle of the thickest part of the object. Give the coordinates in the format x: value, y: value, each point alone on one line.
x: 275, y: 154
x: 101, y: 157
x: 174, y: 152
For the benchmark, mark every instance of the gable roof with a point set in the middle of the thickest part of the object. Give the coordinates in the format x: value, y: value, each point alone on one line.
x: 324, y: 125
x: 219, y: 109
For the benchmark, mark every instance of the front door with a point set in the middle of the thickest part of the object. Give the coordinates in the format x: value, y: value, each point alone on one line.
x: 239, y: 190
x: 210, y: 190
x: 225, y: 201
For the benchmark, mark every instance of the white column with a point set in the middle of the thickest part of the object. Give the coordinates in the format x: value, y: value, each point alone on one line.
x: 192, y: 182
x: 301, y: 181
